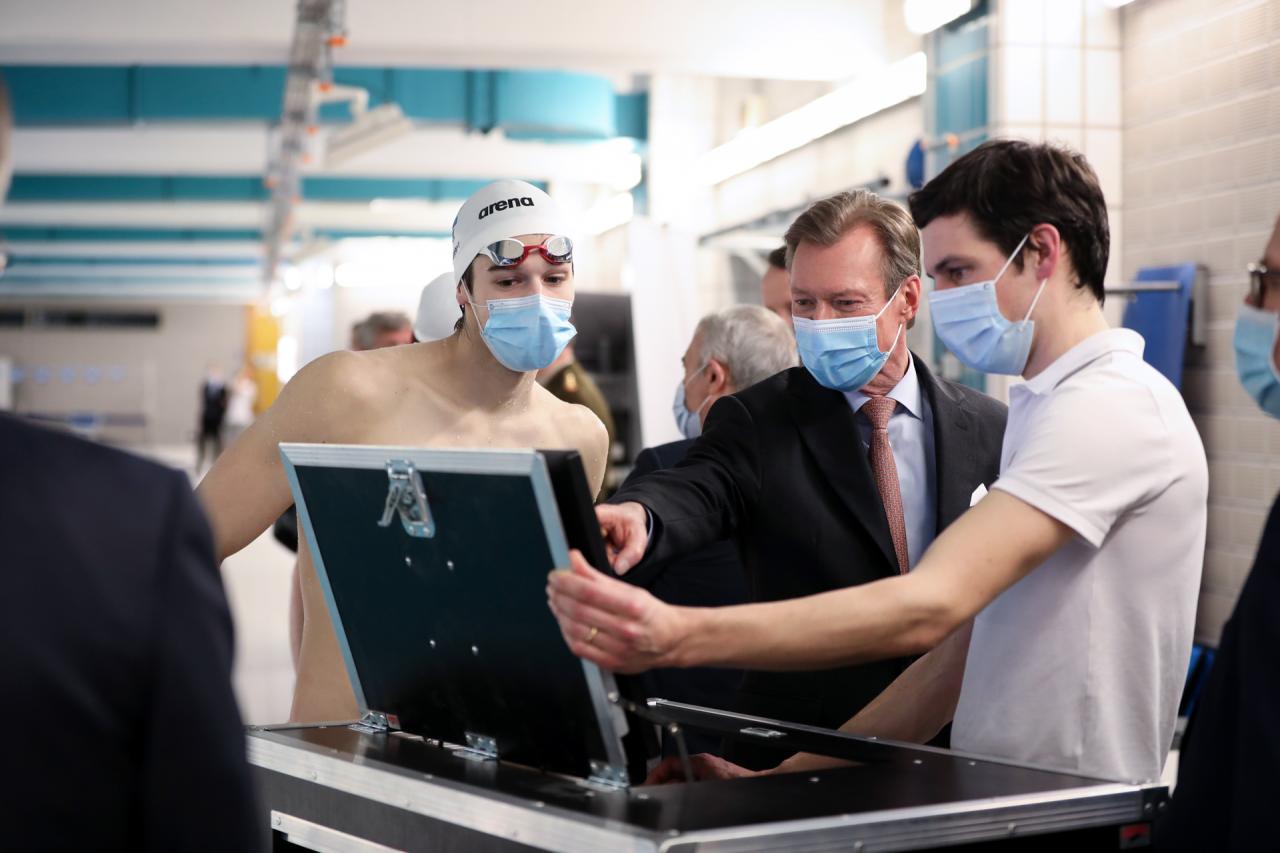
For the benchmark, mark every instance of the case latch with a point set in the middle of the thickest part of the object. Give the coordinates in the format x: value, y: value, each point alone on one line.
x: 407, y: 498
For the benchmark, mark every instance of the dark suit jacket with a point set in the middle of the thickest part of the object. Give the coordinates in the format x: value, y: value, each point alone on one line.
x: 213, y: 404
x: 780, y: 468
x: 115, y: 657
x: 1226, y: 770
x: 711, y: 576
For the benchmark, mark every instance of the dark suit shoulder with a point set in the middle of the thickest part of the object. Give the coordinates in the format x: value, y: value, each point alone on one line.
x: 669, y: 455
x: 657, y: 458
x: 983, y: 405
x: 762, y: 400
x: 73, y: 491
x: 27, y: 448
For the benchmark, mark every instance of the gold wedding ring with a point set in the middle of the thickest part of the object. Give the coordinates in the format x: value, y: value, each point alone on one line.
x: 591, y: 635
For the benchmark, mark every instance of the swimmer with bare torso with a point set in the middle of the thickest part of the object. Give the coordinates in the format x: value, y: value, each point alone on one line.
x: 475, y: 388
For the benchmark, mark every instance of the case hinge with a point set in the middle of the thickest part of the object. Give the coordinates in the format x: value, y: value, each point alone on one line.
x: 407, y: 498
x: 478, y: 748
x: 376, y: 722
x: 608, y: 775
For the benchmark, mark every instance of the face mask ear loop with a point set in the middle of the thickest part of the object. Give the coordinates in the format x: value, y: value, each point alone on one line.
x: 890, y: 302
x: 685, y: 383
x: 1009, y: 259
x: 475, y: 312
x: 901, y: 326
x: 894, y: 345
x: 1036, y: 300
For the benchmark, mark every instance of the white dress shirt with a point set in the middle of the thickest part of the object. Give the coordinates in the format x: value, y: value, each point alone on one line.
x: 911, y: 437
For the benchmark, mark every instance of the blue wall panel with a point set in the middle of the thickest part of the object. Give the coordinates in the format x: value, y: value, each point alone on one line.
x: 959, y: 70
x: 632, y: 111
x: 962, y: 96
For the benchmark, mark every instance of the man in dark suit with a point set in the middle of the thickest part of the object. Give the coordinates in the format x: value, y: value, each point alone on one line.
x: 213, y: 411
x: 730, y: 350
x: 115, y: 651
x: 830, y: 475
x: 1226, y: 770
x: 115, y: 657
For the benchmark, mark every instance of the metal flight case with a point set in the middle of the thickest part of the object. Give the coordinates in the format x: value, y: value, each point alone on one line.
x: 480, y: 731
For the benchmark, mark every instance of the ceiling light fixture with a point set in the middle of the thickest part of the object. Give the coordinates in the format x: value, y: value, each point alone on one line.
x: 372, y: 129
x: 925, y: 16
x: 864, y: 96
x: 608, y: 213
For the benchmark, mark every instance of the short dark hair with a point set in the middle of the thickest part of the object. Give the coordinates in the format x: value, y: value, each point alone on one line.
x: 778, y: 258
x: 825, y: 221
x: 1008, y: 186
x: 466, y: 282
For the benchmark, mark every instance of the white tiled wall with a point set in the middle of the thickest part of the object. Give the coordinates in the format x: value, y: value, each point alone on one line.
x: 1201, y: 179
x: 1056, y: 76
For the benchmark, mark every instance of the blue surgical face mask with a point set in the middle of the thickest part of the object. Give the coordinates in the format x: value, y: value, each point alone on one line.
x: 1255, y: 341
x: 969, y: 322
x: 689, y: 423
x: 843, y: 354
x: 527, y: 333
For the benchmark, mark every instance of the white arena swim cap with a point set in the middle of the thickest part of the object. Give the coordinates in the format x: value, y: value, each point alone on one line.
x: 437, y: 309
x: 498, y: 211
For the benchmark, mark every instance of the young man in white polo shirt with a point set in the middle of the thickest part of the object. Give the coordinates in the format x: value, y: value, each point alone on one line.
x: 1082, y: 566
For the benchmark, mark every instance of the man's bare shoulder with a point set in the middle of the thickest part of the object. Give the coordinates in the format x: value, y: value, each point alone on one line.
x: 337, y: 372
x: 571, y: 416
x: 578, y: 427
x: 335, y: 394
x: 577, y: 424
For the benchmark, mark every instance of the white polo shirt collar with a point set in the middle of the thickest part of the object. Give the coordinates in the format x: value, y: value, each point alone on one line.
x: 1090, y: 349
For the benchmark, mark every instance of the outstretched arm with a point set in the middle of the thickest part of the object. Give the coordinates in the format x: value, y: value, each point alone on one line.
x: 246, y: 489
x: 913, y: 709
x: 705, y: 498
x: 983, y: 553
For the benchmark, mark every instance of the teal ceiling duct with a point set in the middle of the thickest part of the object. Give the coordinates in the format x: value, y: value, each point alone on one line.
x: 136, y: 188
x: 345, y: 233
x: 16, y: 233
x: 54, y: 234
x: 550, y: 105
x: 90, y: 262
x: 32, y: 188
x: 112, y: 94
x: 553, y: 104
x: 36, y: 281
